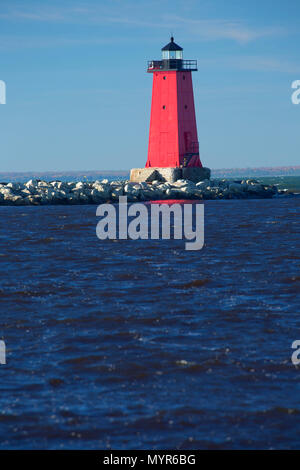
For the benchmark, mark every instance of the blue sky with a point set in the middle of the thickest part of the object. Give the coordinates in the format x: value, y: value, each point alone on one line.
x: 78, y: 95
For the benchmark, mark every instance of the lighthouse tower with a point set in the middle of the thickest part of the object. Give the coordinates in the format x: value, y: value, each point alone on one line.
x: 173, y: 151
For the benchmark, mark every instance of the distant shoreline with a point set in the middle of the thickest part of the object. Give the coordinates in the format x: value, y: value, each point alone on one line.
x: 90, y: 175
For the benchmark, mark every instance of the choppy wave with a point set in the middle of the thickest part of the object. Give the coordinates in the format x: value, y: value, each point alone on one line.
x: 144, y: 345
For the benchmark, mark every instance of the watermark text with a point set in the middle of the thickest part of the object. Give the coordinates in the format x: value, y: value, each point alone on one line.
x: 296, y: 95
x: 295, y: 356
x: 154, y: 221
x: 2, y: 92
x: 2, y: 352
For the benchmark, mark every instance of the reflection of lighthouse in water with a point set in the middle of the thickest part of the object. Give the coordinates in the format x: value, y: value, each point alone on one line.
x: 173, y: 139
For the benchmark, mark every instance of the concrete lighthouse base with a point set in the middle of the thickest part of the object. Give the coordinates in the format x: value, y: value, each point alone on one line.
x: 147, y: 175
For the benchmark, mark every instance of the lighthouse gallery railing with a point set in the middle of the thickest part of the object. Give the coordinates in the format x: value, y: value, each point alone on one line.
x: 171, y: 64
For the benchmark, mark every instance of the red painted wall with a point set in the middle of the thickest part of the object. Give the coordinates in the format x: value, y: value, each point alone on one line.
x: 173, y: 121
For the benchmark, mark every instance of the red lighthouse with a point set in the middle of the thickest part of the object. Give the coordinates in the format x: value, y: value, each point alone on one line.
x: 173, y: 139
x: 173, y: 151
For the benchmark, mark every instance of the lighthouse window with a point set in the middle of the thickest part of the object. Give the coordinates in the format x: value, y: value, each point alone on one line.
x: 165, y: 78
x: 164, y: 107
x: 178, y: 54
x: 185, y: 106
x: 183, y: 77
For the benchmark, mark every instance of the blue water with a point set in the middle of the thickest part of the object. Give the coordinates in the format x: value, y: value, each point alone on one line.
x: 143, y: 345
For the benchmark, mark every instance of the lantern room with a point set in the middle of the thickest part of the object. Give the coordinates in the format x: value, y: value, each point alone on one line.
x: 172, y: 51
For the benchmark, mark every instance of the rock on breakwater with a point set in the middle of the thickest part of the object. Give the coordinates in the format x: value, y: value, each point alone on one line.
x: 38, y: 192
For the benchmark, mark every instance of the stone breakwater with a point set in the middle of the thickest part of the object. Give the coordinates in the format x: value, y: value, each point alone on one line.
x: 37, y: 192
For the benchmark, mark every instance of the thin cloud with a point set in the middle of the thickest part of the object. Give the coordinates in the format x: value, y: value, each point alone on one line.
x: 255, y: 63
x: 215, y: 29
x: 201, y: 29
x: 267, y: 64
x: 8, y: 43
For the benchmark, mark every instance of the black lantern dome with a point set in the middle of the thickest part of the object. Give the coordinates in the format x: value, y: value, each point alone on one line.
x: 172, y: 46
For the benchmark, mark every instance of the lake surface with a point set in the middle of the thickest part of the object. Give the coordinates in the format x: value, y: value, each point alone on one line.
x: 143, y: 345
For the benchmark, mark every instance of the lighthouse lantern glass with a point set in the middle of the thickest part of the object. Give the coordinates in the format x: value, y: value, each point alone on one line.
x: 166, y: 55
